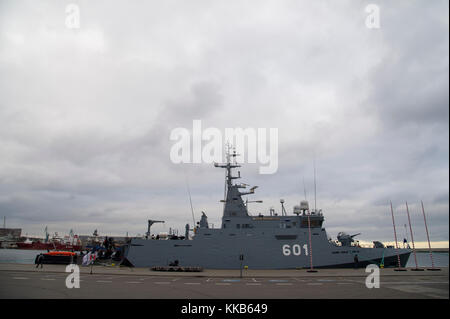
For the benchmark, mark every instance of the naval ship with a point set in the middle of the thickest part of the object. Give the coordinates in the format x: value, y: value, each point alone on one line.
x: 273, y: 241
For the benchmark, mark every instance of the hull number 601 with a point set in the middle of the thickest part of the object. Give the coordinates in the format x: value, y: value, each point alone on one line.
x: 295, y: 249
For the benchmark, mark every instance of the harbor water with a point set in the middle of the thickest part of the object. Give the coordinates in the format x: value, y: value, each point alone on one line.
x: 19, y: 256
x: 22, y: 256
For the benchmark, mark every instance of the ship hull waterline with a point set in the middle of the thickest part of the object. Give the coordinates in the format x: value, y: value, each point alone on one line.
x: 257, y: 254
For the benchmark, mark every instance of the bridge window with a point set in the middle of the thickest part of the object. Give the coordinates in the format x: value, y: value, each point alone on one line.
x: 314, y: 223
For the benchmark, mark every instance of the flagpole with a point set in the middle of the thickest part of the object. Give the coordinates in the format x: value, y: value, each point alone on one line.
x: 396, y: 243
x: 428, y: 237
x: 412, y: 240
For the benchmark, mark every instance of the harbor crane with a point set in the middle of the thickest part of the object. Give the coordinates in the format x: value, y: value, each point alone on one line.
x: 150, y: 223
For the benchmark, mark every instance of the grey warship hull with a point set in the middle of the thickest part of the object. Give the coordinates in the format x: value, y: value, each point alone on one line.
x: 265, y: 250
x: 258, y: 242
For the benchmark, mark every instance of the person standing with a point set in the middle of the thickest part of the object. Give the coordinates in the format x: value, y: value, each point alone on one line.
x: 356, y: 261
x: 40, y: 260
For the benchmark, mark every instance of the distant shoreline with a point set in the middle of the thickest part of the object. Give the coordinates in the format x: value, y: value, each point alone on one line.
x: 437, y: 250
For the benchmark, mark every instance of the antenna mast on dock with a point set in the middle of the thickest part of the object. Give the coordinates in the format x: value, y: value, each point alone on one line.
x: 315, y: 188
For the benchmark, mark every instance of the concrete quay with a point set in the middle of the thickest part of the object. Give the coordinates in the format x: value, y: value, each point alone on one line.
x: 27, y: 281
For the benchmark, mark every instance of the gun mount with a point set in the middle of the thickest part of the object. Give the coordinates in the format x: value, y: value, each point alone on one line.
x: 346, y: 239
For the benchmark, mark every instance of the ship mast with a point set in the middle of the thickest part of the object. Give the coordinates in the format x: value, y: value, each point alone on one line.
x: 233, y: 203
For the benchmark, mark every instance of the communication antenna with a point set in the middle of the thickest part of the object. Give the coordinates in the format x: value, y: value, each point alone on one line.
x: 225, y: 191
x: 315, y: 188
x: 283, y: 211
x: 46, y: 234
x: 304, y: 188
x: 190, y: 200
x: 228, y: 161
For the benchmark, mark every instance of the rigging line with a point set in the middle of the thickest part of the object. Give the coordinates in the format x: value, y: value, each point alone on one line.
x: 304, y: 188
x: 315, y: 187
x: 190, y: 198
x: 225, y: 191
x: 227, y: 160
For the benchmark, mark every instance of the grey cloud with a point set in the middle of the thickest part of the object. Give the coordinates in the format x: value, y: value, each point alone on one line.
x: 86, y: 114
x: 410, y: 85
x: 442, y: 199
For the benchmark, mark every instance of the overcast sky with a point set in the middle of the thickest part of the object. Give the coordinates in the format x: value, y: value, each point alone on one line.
x: 86, y: 113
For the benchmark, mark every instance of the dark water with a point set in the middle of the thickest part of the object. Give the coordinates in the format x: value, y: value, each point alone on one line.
x: 19, y: 256
x: 424, y: 260
x: 27, y: 257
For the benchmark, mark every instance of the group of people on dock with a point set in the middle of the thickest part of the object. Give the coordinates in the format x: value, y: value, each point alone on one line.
x: 107, y: 250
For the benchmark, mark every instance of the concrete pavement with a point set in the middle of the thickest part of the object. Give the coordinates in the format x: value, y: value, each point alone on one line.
x: 117, y: 270
x: 25, y: 281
